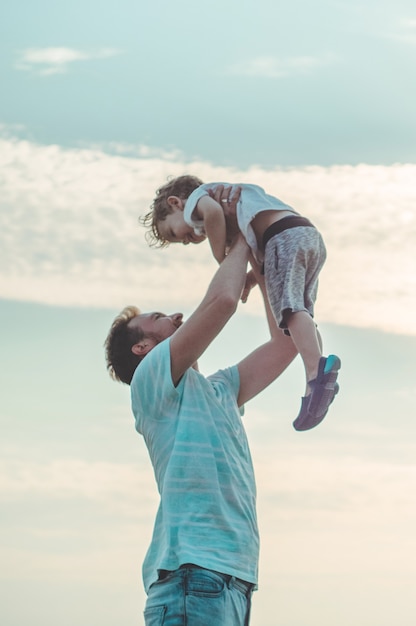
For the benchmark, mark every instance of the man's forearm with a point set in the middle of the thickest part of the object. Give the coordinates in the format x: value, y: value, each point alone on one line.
x: 230, y: 276
x: 217, y: 307
x: 265, y: 364
x: 273, y: 328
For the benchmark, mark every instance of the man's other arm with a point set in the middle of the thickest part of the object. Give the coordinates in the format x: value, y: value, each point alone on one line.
x: 264, y: 365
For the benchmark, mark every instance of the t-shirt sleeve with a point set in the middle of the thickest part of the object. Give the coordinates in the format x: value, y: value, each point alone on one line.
x: 228, y: 377
x: 190, y: 206
x: 153, y: 394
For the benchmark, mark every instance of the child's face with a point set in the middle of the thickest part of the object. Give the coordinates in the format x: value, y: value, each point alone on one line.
x: 174, y: 229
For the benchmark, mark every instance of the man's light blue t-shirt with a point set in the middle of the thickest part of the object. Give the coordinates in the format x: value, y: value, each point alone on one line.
x: 203, y: 468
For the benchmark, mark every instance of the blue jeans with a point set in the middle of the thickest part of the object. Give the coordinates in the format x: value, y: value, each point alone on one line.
x: 193, y: 596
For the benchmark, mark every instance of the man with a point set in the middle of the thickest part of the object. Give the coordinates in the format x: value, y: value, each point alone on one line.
x: 201, y: 567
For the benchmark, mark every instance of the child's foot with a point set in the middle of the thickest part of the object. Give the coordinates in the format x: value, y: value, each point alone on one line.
x: 306, y: 421
x: 324, y: 389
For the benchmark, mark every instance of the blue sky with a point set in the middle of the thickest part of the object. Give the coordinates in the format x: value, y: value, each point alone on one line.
x: 101, y: 102
x: 271, y: 82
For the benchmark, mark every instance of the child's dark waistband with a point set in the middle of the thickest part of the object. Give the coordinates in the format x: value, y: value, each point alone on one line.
x: 291, y: 221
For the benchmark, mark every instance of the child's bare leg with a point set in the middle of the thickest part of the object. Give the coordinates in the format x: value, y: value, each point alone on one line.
x: 320, y: 342
x: 308, y: 342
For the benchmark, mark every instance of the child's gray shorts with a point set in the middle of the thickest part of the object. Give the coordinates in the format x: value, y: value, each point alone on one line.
x: 292, y: 261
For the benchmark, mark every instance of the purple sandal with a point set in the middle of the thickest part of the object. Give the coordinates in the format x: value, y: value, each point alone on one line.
x: 324, y: 387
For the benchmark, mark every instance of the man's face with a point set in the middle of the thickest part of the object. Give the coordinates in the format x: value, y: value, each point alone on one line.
x: 157, y: 326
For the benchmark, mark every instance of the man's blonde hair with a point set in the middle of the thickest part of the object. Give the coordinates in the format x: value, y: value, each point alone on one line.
x: 121, y: 361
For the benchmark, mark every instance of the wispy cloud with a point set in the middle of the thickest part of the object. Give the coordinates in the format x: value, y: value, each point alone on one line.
x: 276, y: 67
x: 69, y: 232
x: 68, y: 519
x: 405, y: 32
x: 66, y: 479
x: 46, y: 61
x: 333, y: 489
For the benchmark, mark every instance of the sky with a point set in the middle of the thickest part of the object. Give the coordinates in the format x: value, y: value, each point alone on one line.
x: 101, y: 103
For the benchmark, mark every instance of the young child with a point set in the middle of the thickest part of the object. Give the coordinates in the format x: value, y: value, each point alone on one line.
x: 292, y: 251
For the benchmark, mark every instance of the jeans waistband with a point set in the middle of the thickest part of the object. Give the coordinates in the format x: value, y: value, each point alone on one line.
x: 283, y: 224
x: 244, y: 586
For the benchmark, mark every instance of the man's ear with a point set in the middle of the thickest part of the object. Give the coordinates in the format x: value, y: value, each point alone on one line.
x: 141, y: 348
x: 175, y: 202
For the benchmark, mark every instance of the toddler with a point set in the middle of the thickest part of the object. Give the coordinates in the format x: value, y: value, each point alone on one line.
x: 291, y: 250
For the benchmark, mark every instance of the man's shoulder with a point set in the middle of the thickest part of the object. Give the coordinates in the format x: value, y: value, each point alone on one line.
x: 154, y: 363
x: 152, y: 389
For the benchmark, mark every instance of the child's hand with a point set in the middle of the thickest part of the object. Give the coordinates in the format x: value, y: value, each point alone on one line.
x: 251, y: 282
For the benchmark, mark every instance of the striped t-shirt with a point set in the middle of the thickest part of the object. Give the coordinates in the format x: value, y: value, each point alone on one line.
x: 202, y: 464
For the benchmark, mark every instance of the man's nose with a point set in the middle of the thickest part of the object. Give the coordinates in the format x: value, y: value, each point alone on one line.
x: 176, y: 317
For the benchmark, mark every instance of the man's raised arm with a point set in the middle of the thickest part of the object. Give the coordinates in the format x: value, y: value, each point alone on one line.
x: 219, y: 304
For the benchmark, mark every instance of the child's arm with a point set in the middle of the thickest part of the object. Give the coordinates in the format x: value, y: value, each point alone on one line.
x: 212, y: 214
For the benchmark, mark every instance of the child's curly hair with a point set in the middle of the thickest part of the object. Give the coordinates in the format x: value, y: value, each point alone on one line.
x: 182, y: 186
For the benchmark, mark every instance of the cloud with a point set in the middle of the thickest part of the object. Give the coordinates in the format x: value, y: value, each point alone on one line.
x: 337, y: 486
x: 46, y: 61
x: 405, y: 31
x: 75, y: 479
x: 69, y: 232
x: 274, y: 67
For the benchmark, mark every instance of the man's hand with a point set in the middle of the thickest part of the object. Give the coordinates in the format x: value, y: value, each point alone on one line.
x: 251, y: 281
x: 228, y: 202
